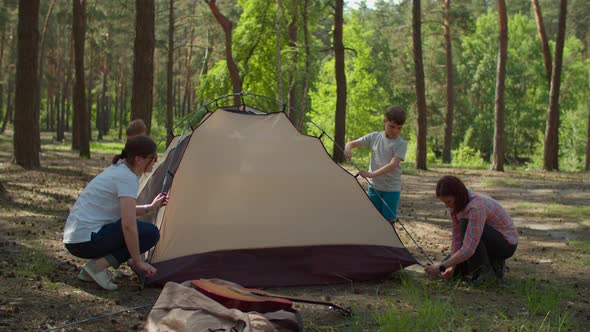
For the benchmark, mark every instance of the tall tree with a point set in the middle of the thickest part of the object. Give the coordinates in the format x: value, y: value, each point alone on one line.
x: 306, y: 70
x: 227, y: 26
x: 170, y: 75
x: 278, y: 36
x: 420, y: 86
x: 551, y: 152
x: 143, y: 62
x: 292, y: 81
x: 543, y: 38
x: 41, y: 58
x: 446, y: 157
x: 340, y: 122
x: 499, y: 149
x: 81, y: 115
x: 26, y: 124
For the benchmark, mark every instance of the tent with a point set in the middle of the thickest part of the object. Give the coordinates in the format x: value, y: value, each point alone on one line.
x: 255, y: 202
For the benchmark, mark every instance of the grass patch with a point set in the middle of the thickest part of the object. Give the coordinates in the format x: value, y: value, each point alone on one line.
x: 500, y: 183
x: 428, y: 313
x: 541, y: 299
x: 555, y: 209
x: 582, y: 245
x: 30, y: 263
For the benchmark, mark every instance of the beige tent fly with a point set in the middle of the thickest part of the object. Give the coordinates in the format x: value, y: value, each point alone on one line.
x: 255, y: 202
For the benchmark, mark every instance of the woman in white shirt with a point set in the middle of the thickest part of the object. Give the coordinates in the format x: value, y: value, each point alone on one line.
x: 103, y: 226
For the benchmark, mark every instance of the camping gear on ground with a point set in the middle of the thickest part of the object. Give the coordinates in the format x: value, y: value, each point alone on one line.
x: 181, y: 307
x: 248, y: 299
x: 255, y: 202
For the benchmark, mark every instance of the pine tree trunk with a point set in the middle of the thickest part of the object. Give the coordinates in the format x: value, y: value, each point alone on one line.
x: 2, y: 84
x: 227, y: 25
x: 551, y: 153
x: 143, y: 62
x: 543, y: 38
x: 26, y: 124
x: 9, y: 104
x: 499, y: 148
x: 278, y: 51
x: 80, y: 132
x: 340, y: 121
x: 446, y: 156
x: 170, y: 75
x: 104, y: 103
x: 420, y: 87
x: 292, y: 81
x: 41, y: 62
x: 306, y: 75
x: 90, y: 87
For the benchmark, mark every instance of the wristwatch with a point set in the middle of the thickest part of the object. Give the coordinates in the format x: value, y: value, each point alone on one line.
x: 442, y: 268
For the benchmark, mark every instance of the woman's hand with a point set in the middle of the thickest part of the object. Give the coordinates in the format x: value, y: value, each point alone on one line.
x: 448, y: 274
x: 142, y: 267
x: 433, y: 270
x: 160, y: 201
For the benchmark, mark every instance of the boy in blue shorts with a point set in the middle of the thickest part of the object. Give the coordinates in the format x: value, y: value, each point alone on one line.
x: 388, y: 150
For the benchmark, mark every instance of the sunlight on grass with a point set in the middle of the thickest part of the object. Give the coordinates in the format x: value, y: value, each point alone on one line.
x: 31, y: 263
x: 582, y: 245
x: 500, y: 183
x: 555, y: 209
x: 541, y: 299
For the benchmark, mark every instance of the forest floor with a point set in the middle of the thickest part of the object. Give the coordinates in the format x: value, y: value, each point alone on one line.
x: 547, y: 286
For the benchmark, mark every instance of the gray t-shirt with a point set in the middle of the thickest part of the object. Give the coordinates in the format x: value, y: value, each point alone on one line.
x: 99, y: 204
x: 383, y: 149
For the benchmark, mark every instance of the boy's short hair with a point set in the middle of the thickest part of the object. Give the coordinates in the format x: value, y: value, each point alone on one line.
x: 136, y: 127
x: 396, y: 114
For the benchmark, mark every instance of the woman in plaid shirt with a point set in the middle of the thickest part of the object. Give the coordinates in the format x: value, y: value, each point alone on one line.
x: 484, y: 235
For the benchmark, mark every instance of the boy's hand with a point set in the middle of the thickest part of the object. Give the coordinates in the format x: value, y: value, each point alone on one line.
x: 366, y: 174
x: 347, y: 152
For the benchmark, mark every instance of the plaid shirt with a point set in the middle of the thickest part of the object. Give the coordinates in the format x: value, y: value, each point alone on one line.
x: 480, y: 210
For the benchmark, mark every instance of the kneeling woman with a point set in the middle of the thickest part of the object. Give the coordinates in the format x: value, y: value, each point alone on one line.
x: 102, y: 225
x: 484, y: 235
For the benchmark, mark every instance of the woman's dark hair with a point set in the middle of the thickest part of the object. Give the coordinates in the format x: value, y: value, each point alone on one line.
x: 141, y: 146
x: 451, y: 186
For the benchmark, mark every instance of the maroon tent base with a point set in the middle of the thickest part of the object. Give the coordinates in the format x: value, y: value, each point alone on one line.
x: 287, y: 266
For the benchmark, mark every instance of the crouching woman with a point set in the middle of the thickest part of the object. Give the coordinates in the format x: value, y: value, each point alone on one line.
x: 103, y: 226
x: 484, y: 235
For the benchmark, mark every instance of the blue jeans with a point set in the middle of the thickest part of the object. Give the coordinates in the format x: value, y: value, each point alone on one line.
x: 386, y: 202
x: 109, y: 243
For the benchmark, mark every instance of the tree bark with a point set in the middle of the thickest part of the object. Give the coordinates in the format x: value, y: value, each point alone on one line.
x: 307, y: 66
x: 292, y: 81
x: 420, y: 87
x: 446, y: 157
x: 227, y: 25
x: 551, y: 153
x: 170, y: 76
x: 340, y: 127
x: 90, y: 87
x: 81, y: 117
x: 143, y: 62
x: 2, y: 85
x: 9, y: 104
x: 543, y: 38
x: 499, y: 148
x: 41, y: 62
x: 26, y: 124
x: 587, y: 168
x: 278, y: 35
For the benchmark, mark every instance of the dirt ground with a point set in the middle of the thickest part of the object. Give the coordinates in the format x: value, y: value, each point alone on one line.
x: 39, y: 288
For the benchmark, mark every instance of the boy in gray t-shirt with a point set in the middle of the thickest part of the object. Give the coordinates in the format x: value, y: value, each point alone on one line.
x: 388, y: 150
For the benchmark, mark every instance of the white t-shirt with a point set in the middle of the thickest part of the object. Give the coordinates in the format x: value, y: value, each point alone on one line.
x: 99, y: 204
x: 383, y: 149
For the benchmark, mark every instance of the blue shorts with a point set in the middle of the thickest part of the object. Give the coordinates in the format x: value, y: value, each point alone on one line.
x: 386, y: 202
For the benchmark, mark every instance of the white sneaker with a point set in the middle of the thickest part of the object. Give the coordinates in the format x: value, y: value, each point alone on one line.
x: 84, y: 276
x: 102, y: 278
